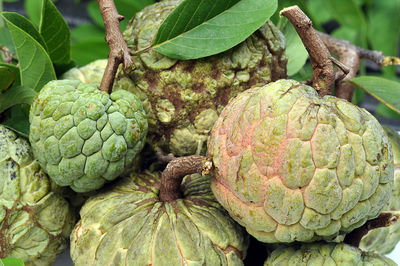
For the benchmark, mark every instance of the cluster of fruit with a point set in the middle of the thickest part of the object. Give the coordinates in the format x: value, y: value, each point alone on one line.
x: 289, y: 166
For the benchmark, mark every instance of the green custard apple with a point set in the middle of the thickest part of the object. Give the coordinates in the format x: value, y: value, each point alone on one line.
x: 292, y: 166
x: 383, y: 240
x: 128, y: 224
x: 35, y: 222
x: 83, y: 137
x: 325, y: 254
x: 91, y: 73
x: 183, y: 98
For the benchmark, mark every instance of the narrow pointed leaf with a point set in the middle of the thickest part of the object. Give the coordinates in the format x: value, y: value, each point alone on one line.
x: 202, y: 28
x: 25, y: 25
x: 385, y: 90
x: 36, y: 68
x: 7, y: 77
x: 15, y: 70
x: 55, y: 32
x: 16, y: 95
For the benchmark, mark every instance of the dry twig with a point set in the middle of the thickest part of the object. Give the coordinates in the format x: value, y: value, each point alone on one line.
x: 323, y: 70
x: 176, y: 169
x: 384, y: 219
x: 119, y: 52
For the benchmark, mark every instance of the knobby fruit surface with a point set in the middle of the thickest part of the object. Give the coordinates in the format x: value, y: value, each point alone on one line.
x: 325, y: 254
x: 183, y: 98
x: 127, y: 224
x: 292, y: 166
x: 384, y: 240
x: 35, y: 222
x: 84, y: 137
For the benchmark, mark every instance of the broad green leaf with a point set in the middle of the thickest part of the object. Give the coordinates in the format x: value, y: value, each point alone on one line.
x: 295, y: 51
x: 94, y: 13
x: 25, y: 25
x: 385, y: 90
x: 86, y: 32
x: 18, y: 119
x: 33, y: 9
x: 128, y: 8
x: 12, y: 262
x: 16, y: 95
x: 15, y: 70
x: 207, y: 27
x: 5, y: 38
x: 385, y: 111
x: 36, y: 68
x: 319, y: 12
x: 55, y: 32
x: 383, y: 14
x: 87, y: 51
x: 7, y: 77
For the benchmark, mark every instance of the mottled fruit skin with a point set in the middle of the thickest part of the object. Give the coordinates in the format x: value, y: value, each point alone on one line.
x: 325, y: 254
x: 83, y: 137
x: 127, y: 224
x: 383, y: 240
x: 34, y: 221
x: 184, y: 98
x: 291, y: 166
x: 91, y: 73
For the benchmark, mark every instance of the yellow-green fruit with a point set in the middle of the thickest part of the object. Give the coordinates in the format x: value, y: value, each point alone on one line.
x: 34, y: 221
x: 91, y: 73
x: 383, y: 240
x: 127, y: 224
x: 84, y: 137
x: 292, y: 166
x: 331, y: 254
x: 184, y: 98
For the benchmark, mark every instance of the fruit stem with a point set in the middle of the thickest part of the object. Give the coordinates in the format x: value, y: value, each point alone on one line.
x: 119, y: 52
x: 323, y: 71
x: 350, y: 55
x: 176, y: 170
x: 384, y: 219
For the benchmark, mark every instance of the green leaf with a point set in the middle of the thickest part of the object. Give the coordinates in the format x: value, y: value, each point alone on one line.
x: 16, y: 95
x: 295, y: 51
x: 18, y: 119
x: 85, y: 32
x: 25, y: 25
x: 94, y: 13
x: 385, y: 111
x: 319, y: 11
x: 87, y: 51
x: 128, y: 8
x: 383, y: 14
x: 203, y: 28
x: 33, y: 9
x: 15, y: 70
x: 55, y: 32
x: 385, y: 90
x: 12, y: 262
x: 35, y: 64
x: 5, y: 38
x: 7, y: 77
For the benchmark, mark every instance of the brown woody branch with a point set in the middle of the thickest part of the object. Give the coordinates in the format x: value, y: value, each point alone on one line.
x: 323, y: 70
x: 119, y: 52
x: 383, y: 220
x: 178, y: 168
x: 350, y: 55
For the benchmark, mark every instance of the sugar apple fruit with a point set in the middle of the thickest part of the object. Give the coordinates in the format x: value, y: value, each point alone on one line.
x: 91, y: 73
x: 383, y: 240
x: 292, y: 166
x: 83, y: 137
x: 325, y: 254
x: 35, y: 222
x: 127, y: 224
x: 184, y: 98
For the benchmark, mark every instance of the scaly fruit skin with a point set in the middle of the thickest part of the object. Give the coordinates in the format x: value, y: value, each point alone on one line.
x: 291, y: 166
x: 184, y: 98
x: 325, y: 254
x: 83, y: 137
x: 127, y: 224
x: 383, y: 240
x: 34, y: 221
x: 91, y: 73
